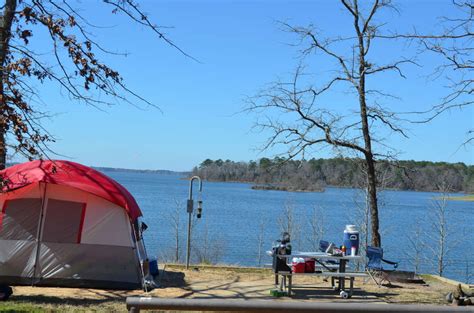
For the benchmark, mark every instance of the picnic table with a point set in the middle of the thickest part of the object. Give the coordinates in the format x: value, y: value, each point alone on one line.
x: 336, y: 271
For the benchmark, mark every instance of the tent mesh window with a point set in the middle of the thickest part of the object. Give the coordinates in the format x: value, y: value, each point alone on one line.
x: 63, y: 221
x: 19, y: 219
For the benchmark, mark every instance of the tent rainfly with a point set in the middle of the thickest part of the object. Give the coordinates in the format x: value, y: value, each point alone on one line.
x: 65, y: 224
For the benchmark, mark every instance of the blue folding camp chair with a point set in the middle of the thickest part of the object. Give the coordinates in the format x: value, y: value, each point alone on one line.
x: 375, y: 268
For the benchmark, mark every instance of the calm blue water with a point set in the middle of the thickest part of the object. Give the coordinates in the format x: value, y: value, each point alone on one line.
x: 235, y: 216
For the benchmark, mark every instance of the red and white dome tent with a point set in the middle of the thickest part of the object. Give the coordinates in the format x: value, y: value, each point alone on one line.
x: 65, y: 224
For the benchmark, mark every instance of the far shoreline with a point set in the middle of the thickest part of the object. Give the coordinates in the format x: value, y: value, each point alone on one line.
x: 464, y: 196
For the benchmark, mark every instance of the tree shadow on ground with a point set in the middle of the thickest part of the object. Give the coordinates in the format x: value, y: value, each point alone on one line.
x: 226, y: 290
x: 91, y: 297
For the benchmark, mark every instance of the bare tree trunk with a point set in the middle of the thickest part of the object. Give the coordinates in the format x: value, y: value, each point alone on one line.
x: 317, y: 228
x: 370, y: 162
x: 441, y: 232
x: 260, y: 242
x: 369, y: 157
x: 372, y: 194
x: 442, y: 236
x: 416, y: 248
x: 289, y: 223
x: 5, y: 26
x: 176, y: 225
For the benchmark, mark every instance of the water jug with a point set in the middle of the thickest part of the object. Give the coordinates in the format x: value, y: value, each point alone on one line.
x: 351, y: 238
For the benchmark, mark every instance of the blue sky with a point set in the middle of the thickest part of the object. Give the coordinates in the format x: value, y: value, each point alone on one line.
x: 241, y: 49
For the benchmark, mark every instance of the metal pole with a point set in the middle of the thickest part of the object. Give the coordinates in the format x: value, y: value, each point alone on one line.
x: 271, y: 306
x: 188, y: 244
x: 190, y: 207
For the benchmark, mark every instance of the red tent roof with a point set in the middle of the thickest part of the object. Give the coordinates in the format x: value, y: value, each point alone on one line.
x: 70, y: 174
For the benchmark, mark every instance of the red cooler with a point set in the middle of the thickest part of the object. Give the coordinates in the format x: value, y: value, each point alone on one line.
x: 309, y: 265
x: 298, y: 267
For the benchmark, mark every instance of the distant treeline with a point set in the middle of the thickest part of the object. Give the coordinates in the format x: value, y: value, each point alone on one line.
x: 115, y: 169
x: 314, y: 174
x: 118, y: 169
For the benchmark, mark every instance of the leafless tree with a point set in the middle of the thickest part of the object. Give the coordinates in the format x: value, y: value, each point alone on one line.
x: 209, y: 247
x: 416, y: 249
x: 260, y: 241
x: 73, y: 64
x: 317, y: 228
x: 295, y: 113
x: 289, y: 222
x: 441, y: 233
x: 469, y: 275
x: 174, y: 217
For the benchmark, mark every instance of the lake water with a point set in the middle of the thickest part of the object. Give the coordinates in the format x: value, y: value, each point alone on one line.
x: 236, y: 219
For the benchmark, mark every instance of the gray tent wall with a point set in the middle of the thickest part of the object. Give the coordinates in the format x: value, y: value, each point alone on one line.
x: 53, y: 235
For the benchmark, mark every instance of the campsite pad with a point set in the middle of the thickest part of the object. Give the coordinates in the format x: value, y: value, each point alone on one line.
x: 220, y: 283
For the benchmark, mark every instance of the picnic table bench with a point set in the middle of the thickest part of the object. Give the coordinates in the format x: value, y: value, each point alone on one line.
x: 336, y: 271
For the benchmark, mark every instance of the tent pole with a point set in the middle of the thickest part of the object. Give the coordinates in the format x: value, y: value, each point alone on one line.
x: 143, y: 243
x: 135, y: 232
x: 38, y: 234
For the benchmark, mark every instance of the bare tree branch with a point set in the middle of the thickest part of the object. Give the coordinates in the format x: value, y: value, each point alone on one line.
x: 300, y: 117
x: 75, y: 68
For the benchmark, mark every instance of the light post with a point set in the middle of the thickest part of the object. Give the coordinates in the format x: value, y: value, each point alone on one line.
x: 190, y: 208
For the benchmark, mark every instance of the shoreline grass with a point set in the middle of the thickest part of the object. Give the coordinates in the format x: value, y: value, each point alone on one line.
x: 462, y: 198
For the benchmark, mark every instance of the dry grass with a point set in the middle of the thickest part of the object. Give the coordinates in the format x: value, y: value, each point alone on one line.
x: 216, y: 282
x: 463, y: 198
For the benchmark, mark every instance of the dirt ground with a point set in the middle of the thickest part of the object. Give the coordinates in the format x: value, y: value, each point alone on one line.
x: 219, y: 283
